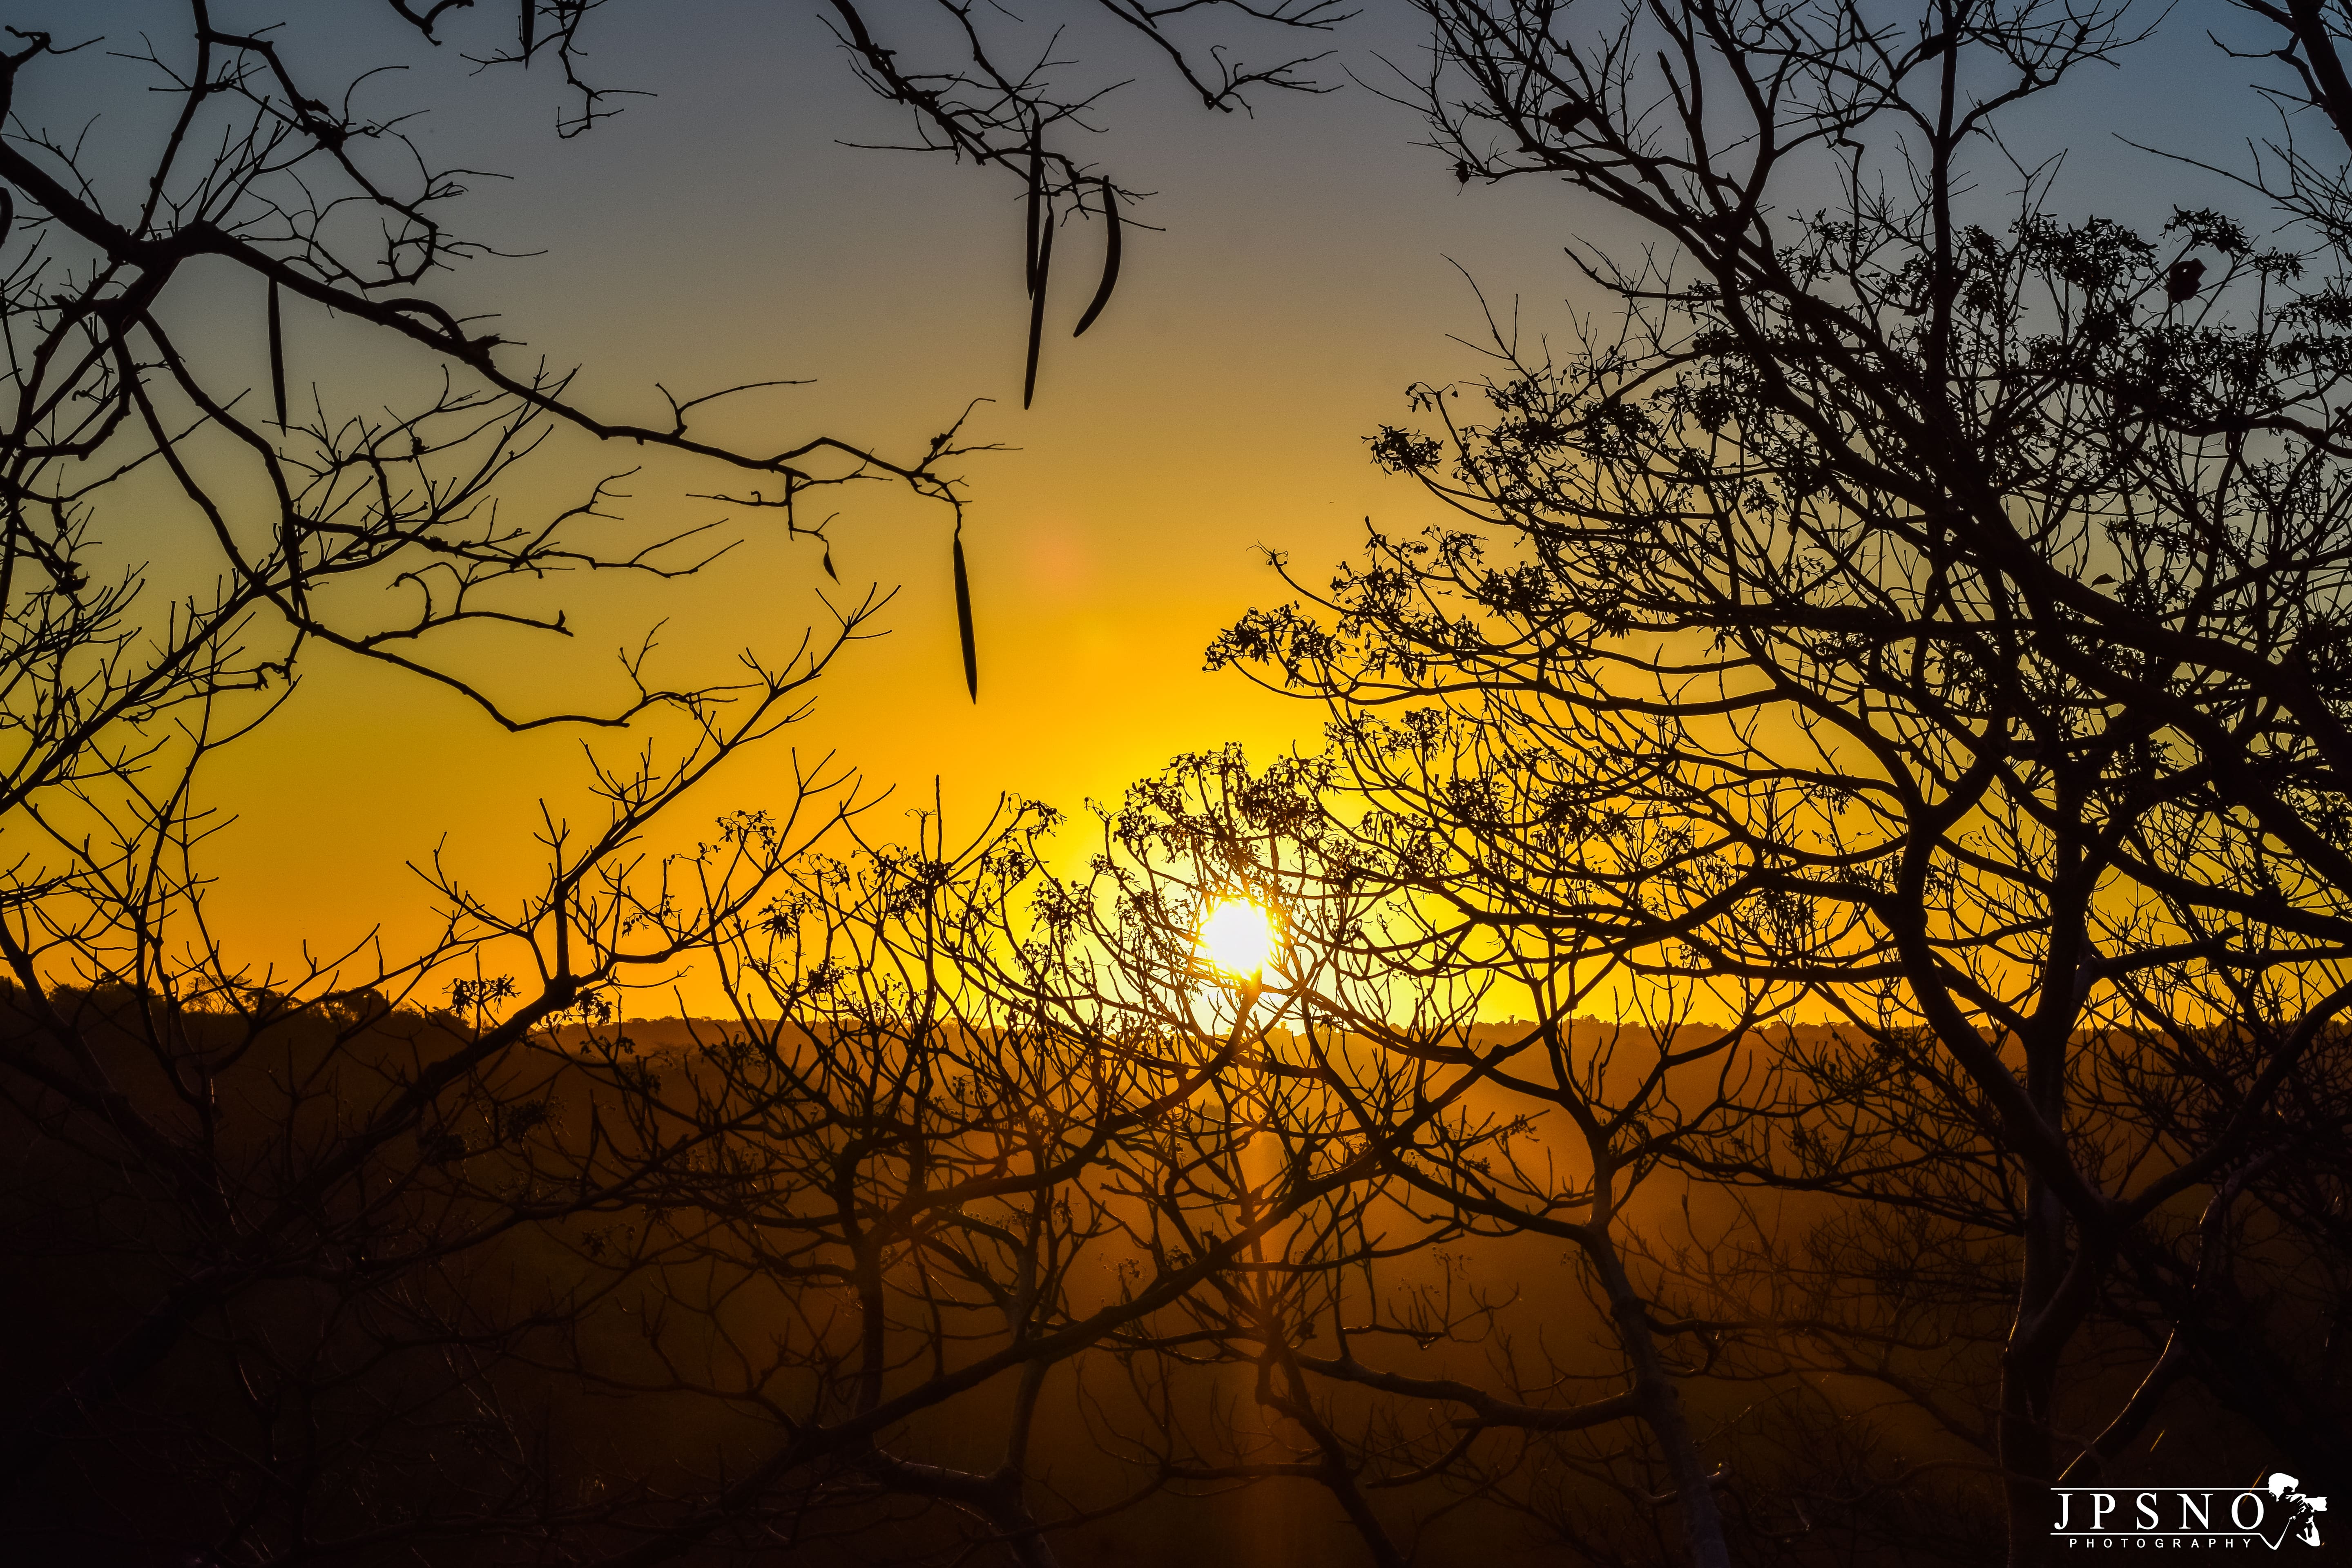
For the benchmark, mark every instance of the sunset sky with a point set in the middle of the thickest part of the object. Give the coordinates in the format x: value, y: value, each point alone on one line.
x: 716, y: 232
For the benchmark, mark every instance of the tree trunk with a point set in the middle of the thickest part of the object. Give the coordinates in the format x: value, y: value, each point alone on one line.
x: 1663, y: 1413
x: 2029, y: 1372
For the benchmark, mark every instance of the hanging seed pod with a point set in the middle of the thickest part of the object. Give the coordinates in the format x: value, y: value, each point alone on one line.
x: 1037, y: 308
x: 963, y: 620
x: 1110, y: 261
x: 277, y: 356
x: 530, y: 26
x: 1036, y: 205
x: 827, y: 564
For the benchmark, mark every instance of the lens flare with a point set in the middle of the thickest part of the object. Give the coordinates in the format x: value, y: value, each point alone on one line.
x: 1237, y: 937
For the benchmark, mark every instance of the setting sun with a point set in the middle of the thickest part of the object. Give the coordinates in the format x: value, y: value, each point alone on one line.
x: 1237, y: 937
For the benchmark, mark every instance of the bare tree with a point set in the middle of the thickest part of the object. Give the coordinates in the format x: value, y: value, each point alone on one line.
x: 946, y: 1158
x: 1480, y: 1140
x: 306, y: 1209
x: 1913, y: 603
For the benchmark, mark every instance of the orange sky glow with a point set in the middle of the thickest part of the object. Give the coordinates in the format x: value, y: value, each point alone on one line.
x: 1311, y: 263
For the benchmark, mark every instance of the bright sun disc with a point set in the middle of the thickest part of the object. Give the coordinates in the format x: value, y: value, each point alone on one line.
x: 1237, y: 937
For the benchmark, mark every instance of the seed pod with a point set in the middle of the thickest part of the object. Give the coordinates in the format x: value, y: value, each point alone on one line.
x: 530, y: 26
x: 963, y: 620
x: 277, y: 356
x: 1111, y: 262
x: 1036, y: 205
x: 1037, y: 307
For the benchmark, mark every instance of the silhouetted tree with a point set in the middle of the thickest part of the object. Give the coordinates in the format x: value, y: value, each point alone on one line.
x: 294, y: 1223
x: 1915, y: 604
x: 1479, y: 1140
